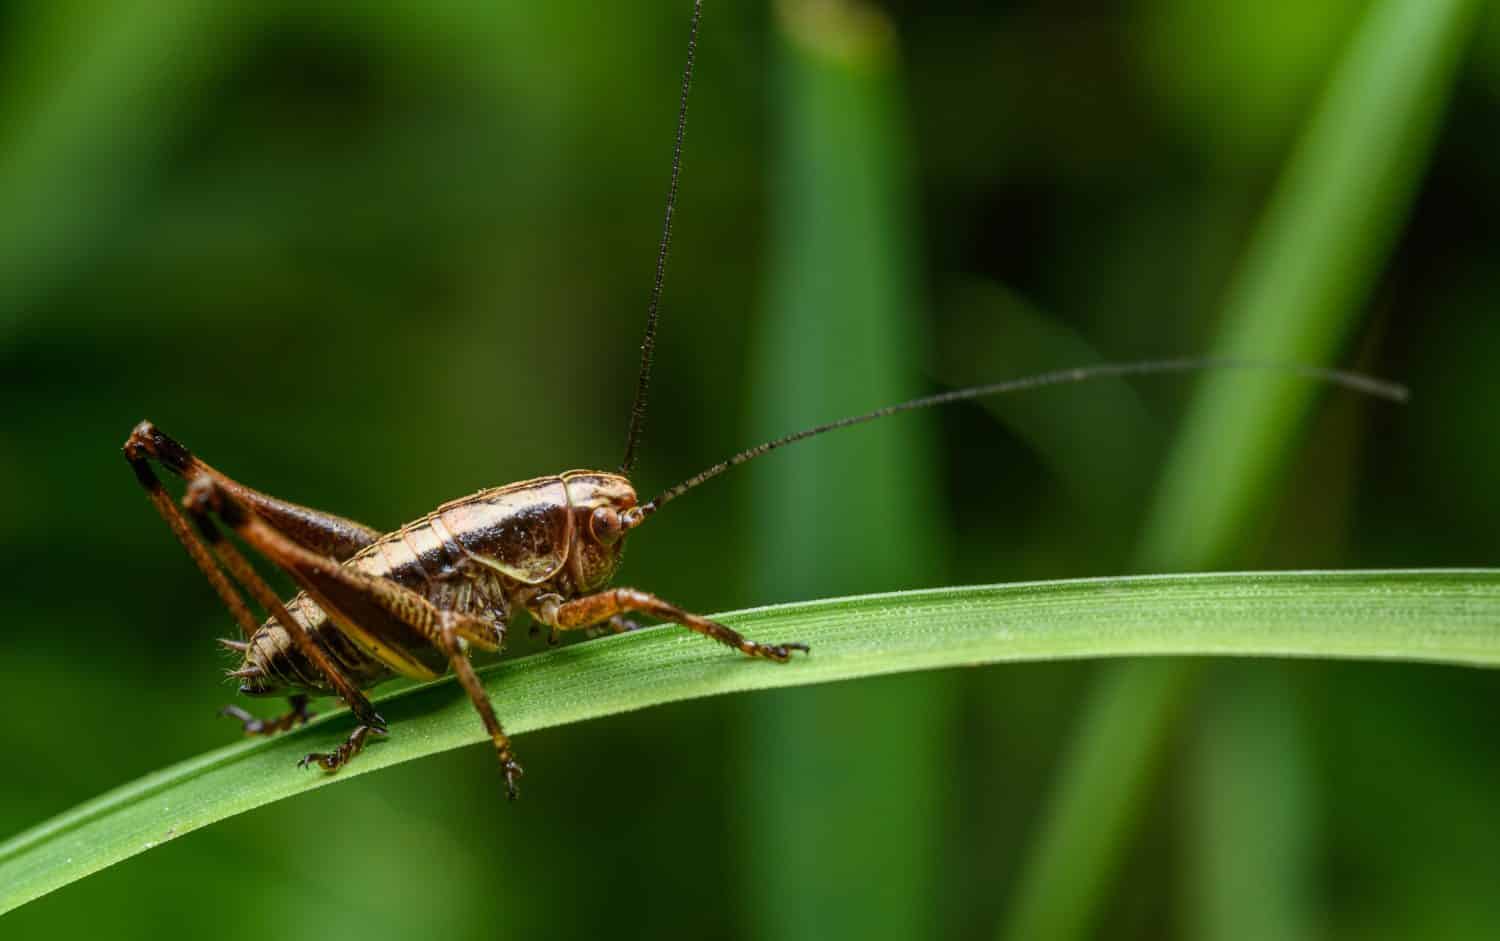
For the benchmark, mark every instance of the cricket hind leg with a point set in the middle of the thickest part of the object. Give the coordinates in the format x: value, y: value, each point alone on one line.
x: 324, y: 533
x: 319, y: 532
x: 137, y: 456
x: 203, y: 500
x: 610, y: 605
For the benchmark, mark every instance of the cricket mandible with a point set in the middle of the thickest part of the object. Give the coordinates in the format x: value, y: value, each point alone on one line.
x: 417, y: 601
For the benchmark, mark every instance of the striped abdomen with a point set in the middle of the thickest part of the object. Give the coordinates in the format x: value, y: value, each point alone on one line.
x: 415, y: 557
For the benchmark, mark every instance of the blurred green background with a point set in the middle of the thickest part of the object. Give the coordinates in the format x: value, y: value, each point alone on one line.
x: 373, y: 256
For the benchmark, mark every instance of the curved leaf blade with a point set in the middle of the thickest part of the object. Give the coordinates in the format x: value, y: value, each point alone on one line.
x: 1439, y: 616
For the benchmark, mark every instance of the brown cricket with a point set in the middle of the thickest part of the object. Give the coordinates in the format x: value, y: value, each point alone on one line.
x: 416, y: 601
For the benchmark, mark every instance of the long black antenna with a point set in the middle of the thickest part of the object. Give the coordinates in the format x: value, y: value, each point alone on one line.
x: 648, y: 345
x: 1358, y: 382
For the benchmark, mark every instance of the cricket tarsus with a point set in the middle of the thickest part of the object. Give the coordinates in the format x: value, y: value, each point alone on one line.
x: 648, y: 342
x: 336, y: 759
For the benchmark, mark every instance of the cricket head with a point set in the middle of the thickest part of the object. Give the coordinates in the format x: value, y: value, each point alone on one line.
x: 604, y: 508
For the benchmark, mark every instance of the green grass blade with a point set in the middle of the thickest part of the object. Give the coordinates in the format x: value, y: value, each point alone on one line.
x: 1435, y: 616
x: 1296, y: 296
x: 1303, y: 283
x: 1252, y: 846
x: 1121, y: 718
x: 841, y: 333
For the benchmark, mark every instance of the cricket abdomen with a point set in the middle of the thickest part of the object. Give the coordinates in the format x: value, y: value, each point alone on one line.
x: 416, y: 557
x: 273, y: 662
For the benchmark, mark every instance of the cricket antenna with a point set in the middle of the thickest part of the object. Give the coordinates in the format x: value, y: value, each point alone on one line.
x: 648, y: 344
x: 1354, y: 381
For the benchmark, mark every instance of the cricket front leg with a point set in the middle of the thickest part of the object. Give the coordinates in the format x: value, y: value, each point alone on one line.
x: 607, y: 605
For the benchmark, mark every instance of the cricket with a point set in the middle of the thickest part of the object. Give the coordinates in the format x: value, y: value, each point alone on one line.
x: 419, y: 600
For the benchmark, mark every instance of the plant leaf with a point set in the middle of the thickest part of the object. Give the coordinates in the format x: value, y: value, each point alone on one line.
x: 1440, y: 616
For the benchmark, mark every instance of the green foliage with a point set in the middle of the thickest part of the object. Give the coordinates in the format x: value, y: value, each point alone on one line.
x: 1297, y: 294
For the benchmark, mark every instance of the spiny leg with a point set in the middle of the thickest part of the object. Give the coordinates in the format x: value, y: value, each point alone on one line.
x: 297, y: 715
x: 311, y: 529
x: 164, y: 504
x: 453, y: 627
x: 594, y: 609
x: 135, y: 453
x: 324, y: 532
x: 320, y: 532
x: 203, y: 498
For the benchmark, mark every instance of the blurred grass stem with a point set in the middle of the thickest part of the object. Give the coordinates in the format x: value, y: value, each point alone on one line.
x: 1297, y: 295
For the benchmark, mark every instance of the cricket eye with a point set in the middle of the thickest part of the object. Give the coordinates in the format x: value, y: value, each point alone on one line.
x: 605, y: 525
